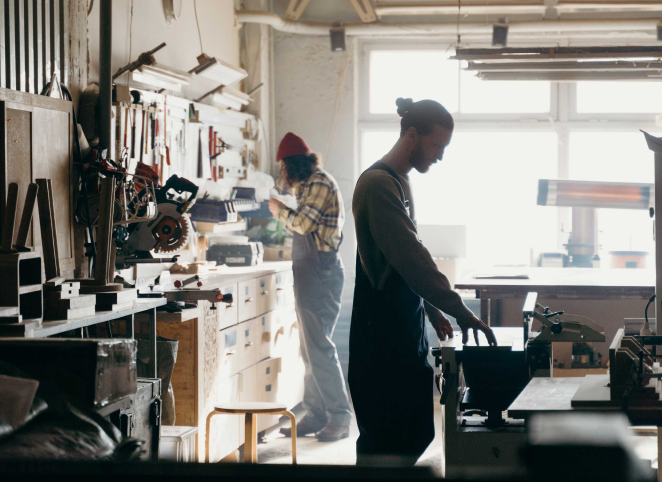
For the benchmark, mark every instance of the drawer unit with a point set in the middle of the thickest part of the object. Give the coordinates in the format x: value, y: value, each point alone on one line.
x: 247, y: 304
x: 248, y: 336
x: 265, y: 336
x: 285, y: 297
x: 266, y: 294
x: 284, y: 279
x: 229, y: 352
x: 228, y: 311
x: 225, y: 429
x: 268, y: 376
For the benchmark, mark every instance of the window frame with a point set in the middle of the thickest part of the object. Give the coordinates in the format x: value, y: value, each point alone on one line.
x: 562, y: 118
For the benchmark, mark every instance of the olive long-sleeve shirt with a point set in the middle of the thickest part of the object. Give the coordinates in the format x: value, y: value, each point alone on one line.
x: 387, y: 239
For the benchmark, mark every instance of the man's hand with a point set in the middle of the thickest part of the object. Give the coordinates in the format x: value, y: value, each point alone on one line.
x: 274, y: 206
x: 441, y: 325
x: 477, y: 325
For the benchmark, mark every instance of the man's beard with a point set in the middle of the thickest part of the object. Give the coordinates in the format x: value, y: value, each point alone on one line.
x: 417, y: 159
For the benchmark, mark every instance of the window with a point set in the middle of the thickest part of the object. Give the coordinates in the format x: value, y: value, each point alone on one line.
x: 426, y: 74
x: 508, y: 135
x: 478, y: 96
x: 619, y: 97
x: 616, y: 157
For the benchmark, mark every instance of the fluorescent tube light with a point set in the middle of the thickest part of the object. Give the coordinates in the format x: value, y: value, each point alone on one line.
x: 218, y: 71
x: 161, y: 77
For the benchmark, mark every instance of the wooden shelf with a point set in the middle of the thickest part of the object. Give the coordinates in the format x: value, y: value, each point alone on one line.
x: 29, y: 289
x: 211, y: 228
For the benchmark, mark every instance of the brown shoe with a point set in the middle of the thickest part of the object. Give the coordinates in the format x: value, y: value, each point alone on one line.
x: 332, y: 433
x: 305, y: 427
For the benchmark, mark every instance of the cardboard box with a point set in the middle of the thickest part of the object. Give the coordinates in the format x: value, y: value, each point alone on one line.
x: 277, y: 253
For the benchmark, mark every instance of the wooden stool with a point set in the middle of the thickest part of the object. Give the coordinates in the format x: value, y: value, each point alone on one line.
x: 252, y: 410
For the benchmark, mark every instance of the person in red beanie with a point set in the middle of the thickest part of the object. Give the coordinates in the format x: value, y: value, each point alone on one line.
x: 319, y: 277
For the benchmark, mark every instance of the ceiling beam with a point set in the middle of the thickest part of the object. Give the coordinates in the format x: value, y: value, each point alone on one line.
x: 365, y: 10
x: 295, y: 9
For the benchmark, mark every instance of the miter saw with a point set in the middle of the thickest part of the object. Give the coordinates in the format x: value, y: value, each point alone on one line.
x: 167, y: 233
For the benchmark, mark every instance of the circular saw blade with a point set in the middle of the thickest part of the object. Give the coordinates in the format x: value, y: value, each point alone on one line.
x: 172, y: 234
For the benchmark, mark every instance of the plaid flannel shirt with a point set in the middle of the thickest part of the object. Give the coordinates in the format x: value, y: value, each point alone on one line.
x: 319, y: 211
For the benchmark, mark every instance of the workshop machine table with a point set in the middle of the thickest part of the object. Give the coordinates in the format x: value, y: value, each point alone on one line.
x: 559, y: 284
x: 550, y: 395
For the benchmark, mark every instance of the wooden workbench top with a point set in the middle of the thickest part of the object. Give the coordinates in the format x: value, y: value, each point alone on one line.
x: 220, y: 276
x: 562, y: 283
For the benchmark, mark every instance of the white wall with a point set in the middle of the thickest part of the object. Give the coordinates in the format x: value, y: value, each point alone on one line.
x: 307, y: 78
x: 220, y: 37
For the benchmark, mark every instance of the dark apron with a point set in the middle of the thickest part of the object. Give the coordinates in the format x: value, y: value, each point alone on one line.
x: 390, y: 380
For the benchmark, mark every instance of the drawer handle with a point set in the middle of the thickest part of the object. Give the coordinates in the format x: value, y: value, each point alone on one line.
x: 265, y: 292
x: 231, y: 305
x: 248, y: 300
x: 230, y: 352
x: 280, y: 289
x: 250, y: 343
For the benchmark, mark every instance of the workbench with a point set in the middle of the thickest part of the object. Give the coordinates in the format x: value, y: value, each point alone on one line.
x: 553, y: 395
x: 247, y: 350
x: 558, y: 284
x: 145, y: 306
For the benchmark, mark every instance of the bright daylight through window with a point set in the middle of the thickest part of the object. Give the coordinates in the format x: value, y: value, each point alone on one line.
x: 508, y: 136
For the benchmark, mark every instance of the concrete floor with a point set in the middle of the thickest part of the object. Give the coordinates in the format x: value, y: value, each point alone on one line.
x: 277, y: 449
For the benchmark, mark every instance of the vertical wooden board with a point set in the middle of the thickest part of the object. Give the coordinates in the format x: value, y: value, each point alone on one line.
x: 3, y: 53
x: 52, y: 160
x: 37, y: 42
x: 46, y: 39
x: 19, y: 31
x: 3, y: 162
x: 10, y: 44
x: 183, y: 376
x: 28, y: 35
x: 55, y: 37
x: 64, y: 41
x: 18, y: 161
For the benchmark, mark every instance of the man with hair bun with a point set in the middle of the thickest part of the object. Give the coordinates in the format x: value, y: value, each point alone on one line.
x: 397, y: 284
x: 319, y: 277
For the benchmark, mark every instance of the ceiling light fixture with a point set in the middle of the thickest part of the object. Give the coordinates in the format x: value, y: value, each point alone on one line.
x: 218, y: 71
x: 161, y: 77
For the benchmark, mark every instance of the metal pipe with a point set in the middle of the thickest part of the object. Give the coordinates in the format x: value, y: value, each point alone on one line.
x: 105, y: 74
x: 450, y: 28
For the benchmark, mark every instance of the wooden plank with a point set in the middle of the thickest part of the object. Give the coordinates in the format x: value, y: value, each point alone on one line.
x: 30, y: 100
x: 545, y: 395
x: 19, y: 156
x: 10, y: 46
x: 46, y: 40
x: 47, y: 226
x: 28, y: 35
x: 19, y: 31
x: 63, y: 41
x: 594, y: 392
x: 3, y: 53
x: 52, y: 160
x: 61, y: 295
x: 37, y: 43
x: 54, y: 13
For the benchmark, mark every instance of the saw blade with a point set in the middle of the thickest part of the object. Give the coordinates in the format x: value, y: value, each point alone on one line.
x: 172, y: 234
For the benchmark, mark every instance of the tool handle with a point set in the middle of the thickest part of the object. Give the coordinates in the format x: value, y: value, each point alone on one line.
x: 142, y: 136
x: 26, y: 218
x: 126, y: 124
x: 10, y: 217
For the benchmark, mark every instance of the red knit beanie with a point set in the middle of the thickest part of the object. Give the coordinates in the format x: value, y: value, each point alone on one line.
x: 292, y: 145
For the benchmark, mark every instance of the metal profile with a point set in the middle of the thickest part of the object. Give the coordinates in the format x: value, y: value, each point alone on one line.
x: 55, y: 37
x: 37, y: 42
x: 46, y: 40
x: 10, y: 46
x: 64, y: 41
x: 19, y: 40
x: 28, y: 29
x: 3, y: 60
